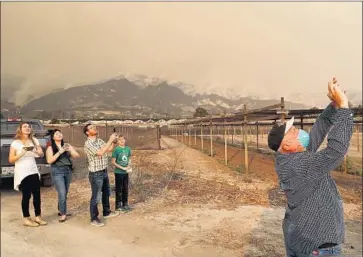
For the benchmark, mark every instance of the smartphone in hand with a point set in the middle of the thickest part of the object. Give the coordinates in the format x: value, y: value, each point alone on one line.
x: 28, y: 148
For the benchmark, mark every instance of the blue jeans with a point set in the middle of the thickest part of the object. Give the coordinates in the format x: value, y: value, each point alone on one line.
x: 62, y: 177
x: 331, y: 251
x: 100, y: 186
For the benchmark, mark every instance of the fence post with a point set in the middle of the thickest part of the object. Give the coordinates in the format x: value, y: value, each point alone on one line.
x: 72, y: 136
x: 257, y: 132
x: 195, y: 135
x: 225, y: 142
x: 245, y: 137
x: 358, y: 141
x: 69, y: 132
x: 234, y: 132
x: 158, y: 135
x: 211, y: 138
x: 241, y: 134
x: 283, y: 115
x: 189, y: 139
x: 106, y: 130
x: 183, y: 134
x: 201, y: 135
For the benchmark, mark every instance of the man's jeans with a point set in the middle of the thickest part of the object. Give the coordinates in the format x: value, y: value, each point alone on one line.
x: 332, y: 251
x: 62, y: 177
x: 100, y: 186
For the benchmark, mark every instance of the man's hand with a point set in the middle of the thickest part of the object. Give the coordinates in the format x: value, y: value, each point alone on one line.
x: 113, y: 137
x: 336, y: 95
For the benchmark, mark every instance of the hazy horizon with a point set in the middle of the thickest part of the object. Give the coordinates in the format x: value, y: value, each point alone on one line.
x: 263, y: 49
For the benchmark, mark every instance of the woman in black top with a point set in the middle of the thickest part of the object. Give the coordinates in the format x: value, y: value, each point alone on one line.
x: 59, y: 156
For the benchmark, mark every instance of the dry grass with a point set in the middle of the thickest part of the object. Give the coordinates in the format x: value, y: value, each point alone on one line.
x: 229, y: 238
x: 193, y: 190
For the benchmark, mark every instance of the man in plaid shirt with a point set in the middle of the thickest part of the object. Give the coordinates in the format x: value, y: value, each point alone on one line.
x: 96, y: 150
x: 314, y: 218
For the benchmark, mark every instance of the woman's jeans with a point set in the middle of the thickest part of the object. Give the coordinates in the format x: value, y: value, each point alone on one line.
x: 62, y: 177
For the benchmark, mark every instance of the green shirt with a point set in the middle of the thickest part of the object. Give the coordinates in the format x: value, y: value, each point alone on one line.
x: 122, y: 155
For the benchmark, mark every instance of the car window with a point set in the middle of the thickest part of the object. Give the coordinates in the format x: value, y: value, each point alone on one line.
x: 11, y: 126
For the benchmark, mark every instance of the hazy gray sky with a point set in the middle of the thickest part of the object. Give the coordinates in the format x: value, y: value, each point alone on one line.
x: 267, y: 49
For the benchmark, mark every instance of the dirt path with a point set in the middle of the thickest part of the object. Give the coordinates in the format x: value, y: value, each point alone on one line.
x: 208, y: 211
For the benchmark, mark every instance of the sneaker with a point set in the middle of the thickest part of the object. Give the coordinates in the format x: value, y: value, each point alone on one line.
x: 29, y: 223
x: 119, y: 209
x: 97, y: 223
x: 111, y: 215
x: 126, y: 208
x: 68, y: 214
x: 63, y: 218
x: 40, y: 221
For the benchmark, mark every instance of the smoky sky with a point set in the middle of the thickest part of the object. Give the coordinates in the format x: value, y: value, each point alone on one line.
x: 265, y: 49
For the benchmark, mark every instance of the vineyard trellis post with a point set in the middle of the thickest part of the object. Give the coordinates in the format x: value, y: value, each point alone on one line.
x: 245, y: 137
x: 225, y: 142
x: 211, y: 137
x: 201, y: 135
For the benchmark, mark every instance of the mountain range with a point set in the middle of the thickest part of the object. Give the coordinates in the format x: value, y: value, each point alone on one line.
x: 120, y: 97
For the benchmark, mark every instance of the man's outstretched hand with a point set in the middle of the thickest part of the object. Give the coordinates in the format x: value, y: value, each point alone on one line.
x: 336, y: 95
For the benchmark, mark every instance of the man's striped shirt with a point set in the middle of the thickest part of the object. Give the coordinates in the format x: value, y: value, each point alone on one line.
x: 95, y: 162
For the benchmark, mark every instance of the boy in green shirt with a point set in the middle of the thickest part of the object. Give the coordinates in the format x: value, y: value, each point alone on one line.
x: 121, y: 160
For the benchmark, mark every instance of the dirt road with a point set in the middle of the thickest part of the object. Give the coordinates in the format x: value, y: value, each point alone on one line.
x: 204, y: 209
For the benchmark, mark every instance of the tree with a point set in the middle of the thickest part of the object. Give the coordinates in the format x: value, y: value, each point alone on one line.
x: 200, y: 112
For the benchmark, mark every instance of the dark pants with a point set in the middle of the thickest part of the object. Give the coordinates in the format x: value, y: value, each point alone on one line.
x: 62, y: 177
x: 122, y: 189
x: 30, y: 186
x: 100, y: 186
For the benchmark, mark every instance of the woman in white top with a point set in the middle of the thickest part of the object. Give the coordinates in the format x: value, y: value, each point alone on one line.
x: 23, y: 151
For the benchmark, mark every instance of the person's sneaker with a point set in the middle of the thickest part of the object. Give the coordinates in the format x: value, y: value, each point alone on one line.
x: 29, y: 223
x: 126, y: 208
x: 111, y: 215
x: 40, y: 221
x: 97, y: 223
x: 119, y: 209
x: 68, y: 214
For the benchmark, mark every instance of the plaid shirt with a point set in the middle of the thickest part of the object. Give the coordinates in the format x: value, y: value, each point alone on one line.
x: 314, y: 214
x: 95, y: 162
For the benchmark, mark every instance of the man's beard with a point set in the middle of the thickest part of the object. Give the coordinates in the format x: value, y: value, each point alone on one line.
x: 93, y: 133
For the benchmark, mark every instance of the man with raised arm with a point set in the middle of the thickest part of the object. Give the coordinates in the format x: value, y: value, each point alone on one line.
x: 96, y: 150
x: 314, y: 218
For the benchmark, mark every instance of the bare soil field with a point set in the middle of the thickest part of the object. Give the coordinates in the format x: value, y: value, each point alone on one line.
x: 185, y: 203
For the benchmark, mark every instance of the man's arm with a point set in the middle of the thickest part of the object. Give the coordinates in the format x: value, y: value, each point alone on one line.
x: 339, y: 137
x: 321, y: 127
x: 94, y: 150
x: 111, y: 147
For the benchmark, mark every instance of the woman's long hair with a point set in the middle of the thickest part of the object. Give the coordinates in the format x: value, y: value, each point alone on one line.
x: 53, y: 144
x: 19, y: 134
